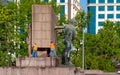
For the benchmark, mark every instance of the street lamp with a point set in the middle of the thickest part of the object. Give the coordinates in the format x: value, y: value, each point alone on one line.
x: 82, y: 43
x: 83, y: 51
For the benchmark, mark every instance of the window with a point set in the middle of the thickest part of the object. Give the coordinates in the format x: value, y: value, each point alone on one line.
x: 117, y: 1
x: 118, y: 8
x: 10, y: 0
x: 101, y: 1
x: 117, y: 15
x: 63, y: 10
x: 109, y: 15
x: 101, y: 8
x: 110, y: 1
x: 110, y: 8
x: 46, y: 0
x: 62, y: 1
x: 55, y: 0
x: 100, y: 23
x: 101, y: 16
x: 92, y: 24
x: 91, y: 1
x: 21, y: 31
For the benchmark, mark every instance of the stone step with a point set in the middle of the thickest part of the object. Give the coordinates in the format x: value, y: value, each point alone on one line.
x: 40, y: 71
x: 37, y: 62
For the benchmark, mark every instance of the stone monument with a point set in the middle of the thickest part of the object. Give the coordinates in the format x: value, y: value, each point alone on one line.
x: 42, y: 29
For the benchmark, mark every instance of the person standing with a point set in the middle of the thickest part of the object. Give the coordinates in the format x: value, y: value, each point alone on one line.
x: 34, y: 52
x: 52, y: 49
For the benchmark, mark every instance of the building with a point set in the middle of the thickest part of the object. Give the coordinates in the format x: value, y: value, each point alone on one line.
x: 102, y: 10
x: 69, y: 7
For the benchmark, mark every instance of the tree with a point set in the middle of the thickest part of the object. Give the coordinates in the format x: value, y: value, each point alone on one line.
x: 82, y: 20
x: 14, y: 22
x: 101, y: 49
x: 7, y: 23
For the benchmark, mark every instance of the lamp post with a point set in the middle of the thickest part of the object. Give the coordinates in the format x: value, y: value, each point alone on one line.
x: 83, y: 51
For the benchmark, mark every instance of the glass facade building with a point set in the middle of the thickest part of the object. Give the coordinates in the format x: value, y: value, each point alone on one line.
x: 102, y: 10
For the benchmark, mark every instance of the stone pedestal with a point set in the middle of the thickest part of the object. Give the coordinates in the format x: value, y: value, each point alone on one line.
x: 39, y: 66
x: 45, y: 66
x: 39, y: 71
x: 36, y: 62
x: 42, y: 30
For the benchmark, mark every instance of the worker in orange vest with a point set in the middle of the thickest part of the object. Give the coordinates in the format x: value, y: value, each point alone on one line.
x: 34, y: 52
x: 52, y: 49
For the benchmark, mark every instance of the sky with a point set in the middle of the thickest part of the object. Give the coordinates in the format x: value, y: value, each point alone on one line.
x: 84, y: 4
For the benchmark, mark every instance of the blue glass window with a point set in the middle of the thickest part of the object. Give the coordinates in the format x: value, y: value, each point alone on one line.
x: 117, y: 1
x: 91, y: 1
x: 55, y: 0
x: 101, y: 8
x: 100, y: 23
x: 62, y: 1
x: 110, y: 8
x: 92, y: 24
x: 46, y: 0
x: 117, y: 15
x: 110, y: 1
x: 101, y: 16
x: 110, y: 16
x: 63, y: 10
x: 101, y: 1
x: 118, y: 8
x: 21, y: 31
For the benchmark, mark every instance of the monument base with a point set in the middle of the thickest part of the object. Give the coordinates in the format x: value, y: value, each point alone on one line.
x: 36, y: 62
x: 45, y: 66
x: 39, y: 71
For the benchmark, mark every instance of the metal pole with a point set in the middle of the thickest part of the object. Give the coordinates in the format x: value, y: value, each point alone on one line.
x: 83, y: 51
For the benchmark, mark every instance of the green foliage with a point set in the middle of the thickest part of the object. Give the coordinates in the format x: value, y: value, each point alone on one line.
x: 82, y: 19
x: 57, y: 8
x: 3, y: 58
x: 60, y: 45
x: 62, y: 20
x: 76, y: 55
x: 101, y: 50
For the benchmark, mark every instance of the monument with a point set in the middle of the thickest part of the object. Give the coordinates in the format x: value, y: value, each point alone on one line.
x: 42, y: 31
x: 69, y: 33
